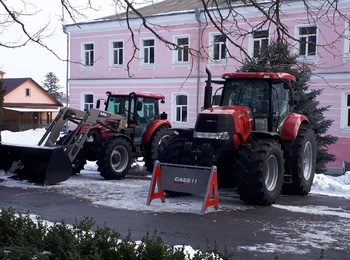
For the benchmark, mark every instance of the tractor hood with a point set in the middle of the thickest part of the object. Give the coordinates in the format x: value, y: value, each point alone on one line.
x: 222, y: 119
x: 226, y: 110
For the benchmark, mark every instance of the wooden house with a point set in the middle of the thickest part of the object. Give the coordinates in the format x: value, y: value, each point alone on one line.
x: 26, y: 105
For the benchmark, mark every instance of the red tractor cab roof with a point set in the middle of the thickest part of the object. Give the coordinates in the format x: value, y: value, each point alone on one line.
x: 139, y: 94
x: 258, y: 75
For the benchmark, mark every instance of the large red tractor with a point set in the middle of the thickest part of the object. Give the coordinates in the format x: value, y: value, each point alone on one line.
x: 253, y: 137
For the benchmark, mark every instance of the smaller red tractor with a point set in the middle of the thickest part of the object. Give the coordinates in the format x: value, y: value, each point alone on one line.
x: 129, y: 127
x: 257, y: 142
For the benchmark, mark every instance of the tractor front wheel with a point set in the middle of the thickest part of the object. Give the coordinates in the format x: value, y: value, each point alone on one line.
x: 115, y: 158
x: 260, y: 170
x: 170, y: 150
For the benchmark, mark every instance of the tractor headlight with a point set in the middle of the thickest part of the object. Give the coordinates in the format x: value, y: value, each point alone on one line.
x: 207, y: 135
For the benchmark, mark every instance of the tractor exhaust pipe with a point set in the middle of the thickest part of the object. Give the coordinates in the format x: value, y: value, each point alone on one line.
x: 208, y: 91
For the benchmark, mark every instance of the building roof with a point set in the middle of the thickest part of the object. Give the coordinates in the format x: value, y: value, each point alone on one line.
x: 172, y: 6
x: 12, y: 83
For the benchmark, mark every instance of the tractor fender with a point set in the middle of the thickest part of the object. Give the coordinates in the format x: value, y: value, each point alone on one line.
x: 119, y: 135
x: 153, y: 127
x: 184, y: 131
x: 291, y: 126
x: 268, y: 135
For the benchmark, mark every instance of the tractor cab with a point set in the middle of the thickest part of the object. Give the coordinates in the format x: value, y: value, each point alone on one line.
x: 267, y: 94
x: 140, y: 110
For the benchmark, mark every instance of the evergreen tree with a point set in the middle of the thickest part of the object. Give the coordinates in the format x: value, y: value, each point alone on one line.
x: 278, y: 58
x: 51, y: 85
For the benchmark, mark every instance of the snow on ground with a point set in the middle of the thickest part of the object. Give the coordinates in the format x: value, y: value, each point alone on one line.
x: 136, y: 189
x: 132, y: 192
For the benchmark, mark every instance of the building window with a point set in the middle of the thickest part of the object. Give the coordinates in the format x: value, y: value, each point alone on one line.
x: 181, y: 108
x: 182, y: 52
x: 218, y: 48
x: 346, y: 122
x: 117, y: 53
x: 88, y: 102
x: 27, y: 92
x: 148, y: 51
x: 88, y: 53
x: 260, y: 41
x: 307, y: 41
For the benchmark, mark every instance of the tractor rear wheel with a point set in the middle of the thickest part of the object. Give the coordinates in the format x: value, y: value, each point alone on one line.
x: 151, y: 149
x: 302, y: 162
x: 260, y: 170
x: 115, y: 158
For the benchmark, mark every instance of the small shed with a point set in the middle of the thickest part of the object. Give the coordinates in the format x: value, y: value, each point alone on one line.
x: 26, y: 105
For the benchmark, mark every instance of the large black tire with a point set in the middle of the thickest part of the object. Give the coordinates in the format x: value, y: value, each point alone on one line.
x: 302, y: 162
x: 151, y: 148
x: 170, y: 150
x: 115, y: 158
x: 79, y: 161
x: 260, y: 170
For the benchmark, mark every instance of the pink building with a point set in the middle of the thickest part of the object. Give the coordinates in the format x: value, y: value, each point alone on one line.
x: 102, y: 54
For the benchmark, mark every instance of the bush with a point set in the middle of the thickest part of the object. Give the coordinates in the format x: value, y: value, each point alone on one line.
x: 21, y: 237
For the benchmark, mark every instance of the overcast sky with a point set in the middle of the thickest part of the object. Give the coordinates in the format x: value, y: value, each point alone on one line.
x: 32, y: 60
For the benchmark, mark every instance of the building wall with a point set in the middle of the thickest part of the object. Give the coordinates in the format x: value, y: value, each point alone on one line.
x: 330, y: 66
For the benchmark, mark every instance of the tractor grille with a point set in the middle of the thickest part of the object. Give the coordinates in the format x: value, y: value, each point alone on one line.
x: 215, y: 123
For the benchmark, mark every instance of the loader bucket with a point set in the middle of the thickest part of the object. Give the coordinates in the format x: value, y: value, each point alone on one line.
x: 47, y: 165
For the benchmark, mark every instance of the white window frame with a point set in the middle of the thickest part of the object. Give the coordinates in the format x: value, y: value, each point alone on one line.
x: 307, y: 41
x: 345, y: 112
x: 85, y: 52
x: 144, y: 61
x: 346, y: 54
x: 180, y: 107
x: 182, y: 51
x: 83, y: 103
x: 212, y: 45
x: 113, y: 50
x: 259, y: 40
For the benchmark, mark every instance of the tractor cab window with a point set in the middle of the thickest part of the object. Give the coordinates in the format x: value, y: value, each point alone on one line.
x: 251, y: 93
x: 148, y: 108
x: 147, y: 111
x: 119, y: 105
x: 281, y: 100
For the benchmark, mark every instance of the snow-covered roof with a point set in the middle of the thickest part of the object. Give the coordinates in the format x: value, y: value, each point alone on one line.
x: 171, y: 6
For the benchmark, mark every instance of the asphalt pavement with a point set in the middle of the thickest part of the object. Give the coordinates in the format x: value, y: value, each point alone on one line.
x: 296, y: 227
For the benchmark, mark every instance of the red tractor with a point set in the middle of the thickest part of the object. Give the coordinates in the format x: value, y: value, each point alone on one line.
x: 129, y: 127
x: 253, y: 137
